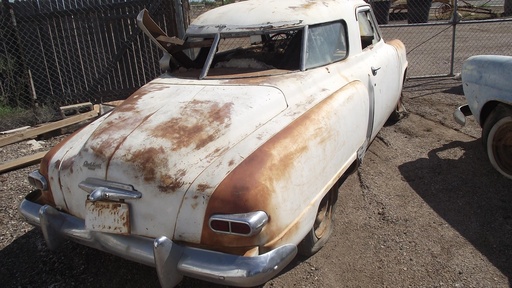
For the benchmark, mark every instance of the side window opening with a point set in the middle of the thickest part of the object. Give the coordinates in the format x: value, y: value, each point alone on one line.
x: 326, y: 43
x: 369, y: 34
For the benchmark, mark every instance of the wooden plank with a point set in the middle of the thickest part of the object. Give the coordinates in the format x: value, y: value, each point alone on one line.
x: 14, y: 130
x: 22, y: 162
x: 114, y: 103
x: 46, y: 128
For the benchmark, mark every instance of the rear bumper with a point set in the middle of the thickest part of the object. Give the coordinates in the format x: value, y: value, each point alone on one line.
x: 171, y: 260
x: 460, y: 114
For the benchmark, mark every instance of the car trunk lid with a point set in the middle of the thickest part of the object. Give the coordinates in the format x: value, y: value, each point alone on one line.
x: 159, y: 140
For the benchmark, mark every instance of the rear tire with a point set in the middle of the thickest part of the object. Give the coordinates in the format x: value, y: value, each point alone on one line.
x: 323, y: 226
x: 497, y: 138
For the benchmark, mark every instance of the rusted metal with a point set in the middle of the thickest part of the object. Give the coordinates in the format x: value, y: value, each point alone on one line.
x: 256, y: 182
x: 109, y: 217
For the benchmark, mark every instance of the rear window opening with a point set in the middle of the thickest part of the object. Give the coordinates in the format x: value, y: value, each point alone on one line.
x: 252, y: 55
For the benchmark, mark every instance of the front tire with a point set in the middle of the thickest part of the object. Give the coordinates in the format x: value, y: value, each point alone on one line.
x: 323, y: 226
x: 497, y: 137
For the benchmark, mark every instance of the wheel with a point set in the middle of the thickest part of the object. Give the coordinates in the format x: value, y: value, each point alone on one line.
x: 323, y: 226
x: 497, y: 137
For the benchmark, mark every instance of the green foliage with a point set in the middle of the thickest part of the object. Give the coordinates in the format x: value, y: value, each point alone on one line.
x: 6, y: 65
x: 11, y: 118
x: 6, y: 112
x: 216, y: 3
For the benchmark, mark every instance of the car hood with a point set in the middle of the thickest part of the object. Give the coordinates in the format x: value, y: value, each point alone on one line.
x: 159, y: 141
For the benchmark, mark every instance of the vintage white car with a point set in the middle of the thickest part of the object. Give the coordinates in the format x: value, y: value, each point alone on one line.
x: 228, y: 164
x: 487, y: 84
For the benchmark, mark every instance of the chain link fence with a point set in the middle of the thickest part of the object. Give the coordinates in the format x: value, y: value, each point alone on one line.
x: 55, y: 53
x: 439, y: 35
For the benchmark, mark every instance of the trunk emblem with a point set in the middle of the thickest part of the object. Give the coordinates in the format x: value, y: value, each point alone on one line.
x: 92, y: 165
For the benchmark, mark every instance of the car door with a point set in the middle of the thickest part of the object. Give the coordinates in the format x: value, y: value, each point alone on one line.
x: 383, y: 69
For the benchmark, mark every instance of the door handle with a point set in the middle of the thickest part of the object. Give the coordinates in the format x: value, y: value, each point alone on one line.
x: 374, y: 70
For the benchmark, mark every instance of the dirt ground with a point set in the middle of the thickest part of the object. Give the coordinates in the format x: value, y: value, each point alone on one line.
x: 426, y: 209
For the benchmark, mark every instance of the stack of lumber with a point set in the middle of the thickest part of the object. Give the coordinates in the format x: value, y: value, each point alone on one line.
x: 26, y: 133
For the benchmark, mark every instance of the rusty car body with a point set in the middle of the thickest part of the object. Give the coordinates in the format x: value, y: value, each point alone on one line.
x: 486, y: 80
x: 226, y: 165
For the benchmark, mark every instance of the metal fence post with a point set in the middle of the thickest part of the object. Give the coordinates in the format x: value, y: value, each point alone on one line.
x: 455, y: 19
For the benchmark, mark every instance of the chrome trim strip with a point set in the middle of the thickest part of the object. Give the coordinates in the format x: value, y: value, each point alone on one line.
x: 371, y: 118
x: 304, y: 44
x: 165, y: 255
x: 209, y: 58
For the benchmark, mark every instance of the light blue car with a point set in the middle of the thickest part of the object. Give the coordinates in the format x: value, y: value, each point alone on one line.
x: 487, y: 83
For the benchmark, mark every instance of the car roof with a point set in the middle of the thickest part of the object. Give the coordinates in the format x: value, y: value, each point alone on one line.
x: 271, y: 15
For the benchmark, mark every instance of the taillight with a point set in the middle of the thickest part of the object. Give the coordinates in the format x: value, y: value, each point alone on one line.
x: 244, y: 224
x: 36, y: 179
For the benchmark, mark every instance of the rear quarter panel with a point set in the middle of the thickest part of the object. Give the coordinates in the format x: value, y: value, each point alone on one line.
x: 288, y: 175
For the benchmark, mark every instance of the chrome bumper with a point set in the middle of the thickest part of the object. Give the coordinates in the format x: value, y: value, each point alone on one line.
x: 460, y: 114
x: 171, y: 260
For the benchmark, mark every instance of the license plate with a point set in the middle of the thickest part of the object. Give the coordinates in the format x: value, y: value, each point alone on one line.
x: 110, y: 217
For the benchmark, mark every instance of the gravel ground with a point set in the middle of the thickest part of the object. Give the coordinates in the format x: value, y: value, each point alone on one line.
x: 13, y: 186
x: 426, y: 209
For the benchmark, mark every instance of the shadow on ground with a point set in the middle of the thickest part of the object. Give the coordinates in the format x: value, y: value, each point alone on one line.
x: 74, y: 265
x: 470, y: 196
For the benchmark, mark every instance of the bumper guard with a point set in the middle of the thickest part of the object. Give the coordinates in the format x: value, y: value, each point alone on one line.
x: 460, y: 114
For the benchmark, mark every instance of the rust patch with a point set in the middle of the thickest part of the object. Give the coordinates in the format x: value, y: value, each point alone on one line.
x: 308, y: 5
x: 196, y: 198
x: 68, y: 164
x: 199, y: 123
x: 45, y: 162
x: 148, y: 160
x: 202, y: 188
x: 56, y: 165
x: 44, y: 167
x: 151, y: 162
x: 251, y: 185
x: 170, y: 183
x: 108, y: 217
x: 108, y: 146
x: 399, y: 45
x: 122, y: 121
